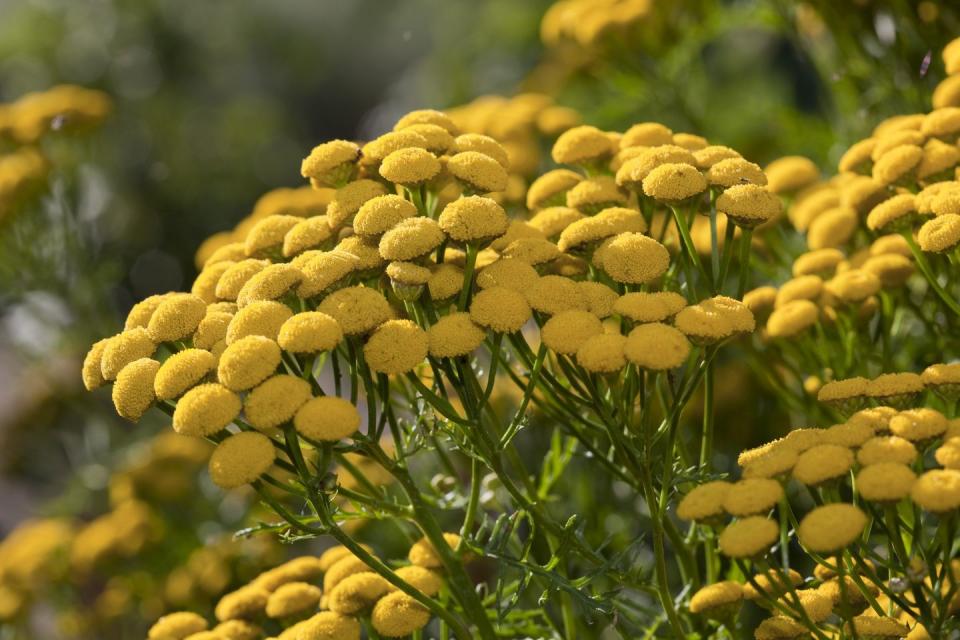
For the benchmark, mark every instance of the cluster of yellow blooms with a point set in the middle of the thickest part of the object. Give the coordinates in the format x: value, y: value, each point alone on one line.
x: 585, y: 22
x: 23, y: 124
x: 287, y: 602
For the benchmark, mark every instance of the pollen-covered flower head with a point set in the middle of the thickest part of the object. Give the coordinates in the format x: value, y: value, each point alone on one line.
x: 937, y: 491
x: 566, y: 331
x: 473, y: 219
x: 552, y: 294
x: 649, y: 307
x: 712, y: 154
x: 247, y: 362
x: 177, y: 625
x: 236, y: 275
x: 646, y: 134
x: 737, y: 170
x: 478, y: 171
x: 482, y: 144
x: 262, y: 318
x: 377, y: 215
x: 656, y: 347
x: 885, y: 482
x: 832, y: 527
x: 550, y: 189
x: 674, y: 182
x: 582, y: 145
x: 704, y: 503
x: 799, y: 288
x: 454, y: 335
x: 942, y: 123
x: 396, y: 615
x: 241, y: 459
x: 133, y: 391
x: 855, y: 285
x: 792, y: 318
x: 634, y: 171
x: 603, y: 353
x: 500, y: 309
x: 790, y: 174
x: 508, y: 272
x: 306, y: 234
x: 309, y: 332
x: 271, y: 283
x: 886, y: 449
x: 821, y: 262
x: 275, y: 401
x: 293, y: 598
x: 446, y: 281
x: 752, y: 496
x: 719, y: 600
x: 326, y: 418
x: 330, y: 164
x: 897, y: 164
x: 918, y: 425
x: 894, y: 214
x: 822, y: 463
x: 324, y: 270
x: 265, y: 238
x: 895, y: 388
x: 357, y: 310
x: 411, y: 239
x: 410, y: 166
x: 176, y: 317
x: 940, y: 234
x: 595, y: 194
x: 632, y: 258
x: 349, y: 198
x: 748, y: 537
x: 396, y: 346
x: 181, y: 371
x: 748, y: 205
x: 586, y: 231
x: 357, y: 592
x: 205, y: 410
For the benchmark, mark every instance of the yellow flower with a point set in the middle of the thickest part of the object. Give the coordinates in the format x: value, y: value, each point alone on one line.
x: 424, y: 554
x: 446, y: 281
x: 395, y: 347
x: 533, y: 251
x: 893, y: 214
x: 942, y: 123
x: 752, y: 496
x: 646, y: 134
x: 246, y: 602
x: 410, y: 166
x: 426, y: 116
x: 823, y: 463
x: 552, y: 294
x: 349, y: 198
x: 247, y: 362
x: 262, y: 318
x: 855, y: 285
x: 425, y: 580
x: 438, y: 139
x: 892, y: 269
x: 357, y: 310
x: 566, y: 331
x: 656, y: 347
x: 674, y: 182
x: 799, y: 288
x: 550, y: 189
x: 275, y: 401
x: 375, y: 151
x: 885, y: 482
x: 748, y: 205
x: 771, y: 584
x: 937, y: 490
x: 895, y: 385
x: 500, y: 309
x: 769, y: 462
x: 892, y: 449
x: 378, y: 215
x: 719, y: 600
x: 357, y: 592
x: 553, y: 220
x: 918, y: 425
x: 595, y: 194
x: 748, y: 537
x: 292, y: 598
x: 858, y: 158
x: 181, y: 371
x: 508, y: 273
x: 876, y: 628
x: 710, y: 155
x: 790, y: 174
x: 473, y: 219
x: 205, y: 285
x: 478, y: 171
x: 862, y: 194
x: 330, y: 163
x: 397, y: 615
x: 948, y: 455
x: 322, y: 271
x: 632, y: 258
x: 482, y: 144
x: 205, y: 409
x: 236, y: 275
x: 600, y: 297
x: 411, y: 238
x: 704, y: 503
x: 760, y: 300
x: 300, y: 569
x: 133, y: 391
x: 635, y: 170
x: 329, y: 625
x: 838, y: 392
x: 832, y: 527
x: 454, y: 335
x: 266, y: 236
x: 897, y: 164
x: 327, y: 418
x: 124, y: 348
x: 306, y: 234
x: 176, y: 626
x: 849, y: 434
x: 940, y: 234
x: 310, y: 332
x: 241, y: 459
x: 603, y: 353
x: 779, y: 628
x: 237, y: 630
x: 822, y: 262
x: 611, y: 221
x: 581, y: 145
x: 731, y: 171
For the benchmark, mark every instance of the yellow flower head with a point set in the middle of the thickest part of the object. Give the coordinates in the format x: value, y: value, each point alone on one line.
x: 472, y: 219
x: 348, y: 200
x: 885, y: 482
x: 674, y: 182
x: 731, y: 171
x: 357, y: 310
x: 478, y: 171
x: 859, y: 157
x: 205, y: 410
x: 587, y: 231
x: 427, y: 581
x: 760, y: 300
x: 595, y: 194
x: 378, y: 215
x: 710, y: 155
x: 395, y: 347
x: 646, y: 134
x: 871, y: 626
x: 426, y: 116
x: 133, y: 391
x: 246, y: 602
x: 92, y: 372
x: 263, y: 318
x: 330, y: 163
x: 269, y: 284
x: 309, y: 332
x: 582, y: 145
x: 376, y: 151
x: 769, y: 462
x: 236, y: 275
x: 821, y: 262
x: 176, y: 317
x: 892, y: 269
x: 247, y: 362
x: 704, y: 503
x: 895, y: 385
x: 323, y: 270
x: 752, y: 496
x: 566, y: 331
x: 423, y: 554
x: 832, y: 228
x: 748, y: 205
x: 327, y: 418
x: 266, y: 236
x: 855, y: 285
x: 306, y: 234
x: 500, y: 309
x: 357, y: 592
x: 551, y: 188
x: 439, y: 140
x: 748, y: 537
x: 849, y: 434
x: 600, y: 297
x: 942, y: 123
x: 918, y: 425
x: 939, y: 159
x: 176, y: 626
x: 181, y: 371
x: 887, y: 449
x: 482, y: 144
x: 790, y: 174
x: 397, y: 614
x: 948, y: 455
x: 410, y: 166
x: 656, y: 347
x: 275, y: 401
x: 241, y: 459
x: 940, y: 234
x: 509, y: 273
x: 237, y: 630
x: 862, y: 194
x: 792, y: 318
x: 897, y: 164
x: 603, y: 353
x: 454, y: 335
x: 937, y: 490
x: 799, y: 288
x: 551, y: 221
x: 832, y: 527
x: 893, y: 214
x: 552, y: 294
x: 635, y: 170
x: 632, y: 258
x: 411, y: 238
x: 719, y: 600
x: 329, y: 625
x: 823, y: 463
x: 292, y: 598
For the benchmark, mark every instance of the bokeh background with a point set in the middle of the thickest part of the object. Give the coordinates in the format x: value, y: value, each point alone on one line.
x: 217, y: 102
